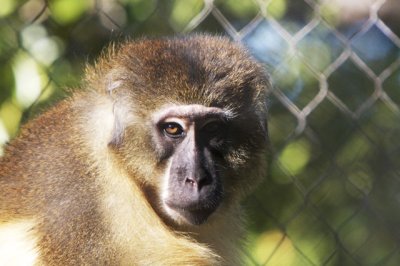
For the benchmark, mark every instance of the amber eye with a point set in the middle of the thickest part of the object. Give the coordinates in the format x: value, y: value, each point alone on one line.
x: 173, y: 130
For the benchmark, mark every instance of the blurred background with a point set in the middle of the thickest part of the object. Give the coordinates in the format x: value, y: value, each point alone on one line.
x: 332, y: 194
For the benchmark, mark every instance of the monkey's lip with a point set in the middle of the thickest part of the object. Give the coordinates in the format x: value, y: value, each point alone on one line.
x: 195, y: 214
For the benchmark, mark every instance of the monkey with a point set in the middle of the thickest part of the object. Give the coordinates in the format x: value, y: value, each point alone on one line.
x: 146, y: 163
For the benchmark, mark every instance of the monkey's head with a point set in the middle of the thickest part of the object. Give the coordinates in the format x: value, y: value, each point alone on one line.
x: 190, y: 122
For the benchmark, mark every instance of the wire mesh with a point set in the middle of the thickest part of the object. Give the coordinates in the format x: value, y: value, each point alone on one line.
x: 332, y: 194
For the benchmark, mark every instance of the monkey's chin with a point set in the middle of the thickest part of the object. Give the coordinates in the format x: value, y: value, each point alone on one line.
x: 184, y: 216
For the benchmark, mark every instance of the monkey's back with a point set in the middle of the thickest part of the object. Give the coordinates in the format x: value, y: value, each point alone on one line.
x: 48, y: 190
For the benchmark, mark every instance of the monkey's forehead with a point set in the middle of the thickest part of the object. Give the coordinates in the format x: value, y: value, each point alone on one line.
x: 199, y: 69
x: 199, y: 47
x: 197, y: 59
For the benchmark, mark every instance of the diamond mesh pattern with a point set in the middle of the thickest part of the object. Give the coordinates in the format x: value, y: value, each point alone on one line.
x: 333, y: 191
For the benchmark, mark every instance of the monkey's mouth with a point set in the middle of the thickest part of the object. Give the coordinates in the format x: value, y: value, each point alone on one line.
x: 195, y: 214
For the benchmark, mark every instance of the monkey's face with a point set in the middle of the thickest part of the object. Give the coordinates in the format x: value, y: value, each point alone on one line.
x: 191, y: 139
x: 190, y: 124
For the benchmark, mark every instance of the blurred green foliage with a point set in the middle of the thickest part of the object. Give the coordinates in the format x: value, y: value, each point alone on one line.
x: 332, y: 194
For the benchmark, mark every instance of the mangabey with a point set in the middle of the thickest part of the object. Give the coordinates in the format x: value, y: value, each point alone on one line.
x: 145, y: 165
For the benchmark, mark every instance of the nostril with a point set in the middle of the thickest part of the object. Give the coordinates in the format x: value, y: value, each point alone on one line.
x: 199, y: 183
x: 190, y: 181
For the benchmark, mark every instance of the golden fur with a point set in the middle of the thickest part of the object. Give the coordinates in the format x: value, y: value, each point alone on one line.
x: 79, y: 182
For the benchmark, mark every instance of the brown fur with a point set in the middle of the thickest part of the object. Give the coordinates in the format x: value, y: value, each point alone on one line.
x: 84, y: 171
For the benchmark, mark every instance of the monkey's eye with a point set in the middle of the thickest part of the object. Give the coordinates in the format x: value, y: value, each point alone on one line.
x: 173, y: 130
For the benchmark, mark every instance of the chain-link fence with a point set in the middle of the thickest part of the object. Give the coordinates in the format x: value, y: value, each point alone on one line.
x: 332, y: 195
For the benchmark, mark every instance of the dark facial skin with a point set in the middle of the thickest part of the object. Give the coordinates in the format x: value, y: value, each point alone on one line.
x: 191, y: 139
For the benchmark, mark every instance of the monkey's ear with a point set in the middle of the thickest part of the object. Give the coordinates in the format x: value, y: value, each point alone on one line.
x: 117, y: 131
x: 114, y: 82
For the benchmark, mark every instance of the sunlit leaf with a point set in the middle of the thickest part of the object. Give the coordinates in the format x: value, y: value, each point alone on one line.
x: 183, y: 11
x: 68, y: 11
x: 7, y: 7
x: 295, y: 156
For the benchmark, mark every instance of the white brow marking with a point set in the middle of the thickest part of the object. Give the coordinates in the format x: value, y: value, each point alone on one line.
x: 188, y: 110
